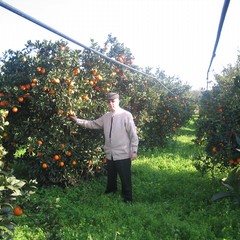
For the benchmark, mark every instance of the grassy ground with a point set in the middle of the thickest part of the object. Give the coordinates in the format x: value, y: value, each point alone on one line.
x: 171, y: 201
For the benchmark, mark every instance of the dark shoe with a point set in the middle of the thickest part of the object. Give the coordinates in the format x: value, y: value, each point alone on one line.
x: 108, y: 192
x: 128, y: 202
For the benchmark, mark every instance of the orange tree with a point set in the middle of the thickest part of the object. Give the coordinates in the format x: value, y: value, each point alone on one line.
x: 46, y: 82
x: 11, y: 190
x: 218, y: 125
x: 167, y: 111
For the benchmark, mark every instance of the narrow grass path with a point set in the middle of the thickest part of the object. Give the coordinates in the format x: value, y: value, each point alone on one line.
x: 171, y: 201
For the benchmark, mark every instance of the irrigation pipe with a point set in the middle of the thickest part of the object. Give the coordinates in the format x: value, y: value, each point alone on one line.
x: 224, y: 12
x: 41, y: 24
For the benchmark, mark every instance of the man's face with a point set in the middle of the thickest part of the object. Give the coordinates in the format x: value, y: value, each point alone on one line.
x: 113, y: 104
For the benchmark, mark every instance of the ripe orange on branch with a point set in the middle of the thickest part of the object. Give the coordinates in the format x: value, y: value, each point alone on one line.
x: 44, y: 165
x: 56, y: 157
x: 55, y: 80
x: 14, y: 109
x: 85, y: 97
x: 52, y: 92
x: 17, y: 211
x: 99, y: 77
x: 74, y: 162
x: 94, y: 72
x: 76, y: 71
x: 70, y: 113
x: 214, y: 149
x: 20, y: 99
x: 61, y: 164
x: 43, y: 70
x: 69, y: 154
x: 60, y: 111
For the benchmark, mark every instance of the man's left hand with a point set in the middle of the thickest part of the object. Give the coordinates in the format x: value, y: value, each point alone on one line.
x: 133, y: 156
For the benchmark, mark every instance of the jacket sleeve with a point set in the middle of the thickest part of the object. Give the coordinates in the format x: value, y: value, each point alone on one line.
x: 132, y: 132
x: 93, y: 124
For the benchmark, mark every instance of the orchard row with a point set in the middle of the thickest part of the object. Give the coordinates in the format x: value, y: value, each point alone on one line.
x: 43, y: 84
x: 218, y: 126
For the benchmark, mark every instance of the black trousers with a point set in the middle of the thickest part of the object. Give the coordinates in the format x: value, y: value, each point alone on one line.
x: 123, y: 169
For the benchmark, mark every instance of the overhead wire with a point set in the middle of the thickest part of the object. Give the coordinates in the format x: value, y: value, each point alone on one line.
x: 222, y: 18
x: 41, y: 24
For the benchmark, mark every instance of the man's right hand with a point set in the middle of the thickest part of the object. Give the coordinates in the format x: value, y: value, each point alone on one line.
x: 73, y: 118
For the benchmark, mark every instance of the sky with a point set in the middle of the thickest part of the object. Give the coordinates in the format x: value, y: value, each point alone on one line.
x: 178, y: 36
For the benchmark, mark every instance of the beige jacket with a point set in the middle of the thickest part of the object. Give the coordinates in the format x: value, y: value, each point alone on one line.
x: 123, y: 139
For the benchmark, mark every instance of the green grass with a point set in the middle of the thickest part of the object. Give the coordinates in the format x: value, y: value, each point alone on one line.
x: 171, y: 201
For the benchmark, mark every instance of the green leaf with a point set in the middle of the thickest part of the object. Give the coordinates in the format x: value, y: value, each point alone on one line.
x: 16, y: 193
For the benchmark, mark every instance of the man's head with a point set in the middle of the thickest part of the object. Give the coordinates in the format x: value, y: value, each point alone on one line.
x: 113, y: 101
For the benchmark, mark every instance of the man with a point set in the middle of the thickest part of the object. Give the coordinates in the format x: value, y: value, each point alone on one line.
x: 121, y: 144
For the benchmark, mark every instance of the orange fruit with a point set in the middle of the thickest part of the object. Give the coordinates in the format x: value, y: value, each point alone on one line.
x: 44, y: 165
x: 70, y: 113
x: 68, y: 81
x: 52, y: 92
x: 20, y: 99
x: 17, y: 211
x: 34, y: 80
x: 94, y: 72
x: 62, y: 146
x: 120, y: 59
x: 5, y: 135
x: 214, y: 149
x: 27, y: 86
x: 55, y: 80
x: 23, y: 88
x: 43, y: 70
x: 39, y: 69
x: 68, y: 153
x: 74, y: 162
x: 60, y: 111
x: 99, y: 77
x: 14, y: 109
x: 85, y: 97
x: 90, y: 163
x: 3, y: 103
x: 61, y: 164
x: 76, y: 71
x: 56, y: 157
x: 39, y: 142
